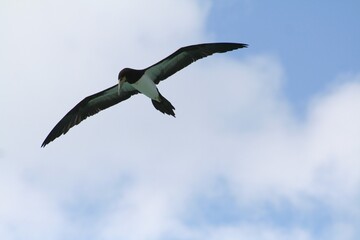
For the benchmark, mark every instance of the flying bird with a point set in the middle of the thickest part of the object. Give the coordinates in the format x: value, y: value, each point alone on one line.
x: 134, y: 81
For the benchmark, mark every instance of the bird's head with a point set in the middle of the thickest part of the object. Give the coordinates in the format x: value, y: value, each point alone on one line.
x: 122, y: 78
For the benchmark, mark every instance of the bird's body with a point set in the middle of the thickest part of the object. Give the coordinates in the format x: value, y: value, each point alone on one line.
x: 146, y: 86
x: 143, y: 81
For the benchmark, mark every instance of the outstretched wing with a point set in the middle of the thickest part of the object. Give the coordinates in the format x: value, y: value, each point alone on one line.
x: 86, y: 108
x: 185, y: 56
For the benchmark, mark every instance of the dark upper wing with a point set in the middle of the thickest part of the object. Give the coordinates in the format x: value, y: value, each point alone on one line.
x: 86, y: 108
x: 185, y: 56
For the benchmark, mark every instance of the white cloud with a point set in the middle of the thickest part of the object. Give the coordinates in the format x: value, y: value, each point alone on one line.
x: 256, y: 232
x: 138, y: 178
x: 25, y: 211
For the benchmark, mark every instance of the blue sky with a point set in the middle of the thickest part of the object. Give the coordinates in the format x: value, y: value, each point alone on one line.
x: 314, y: 40
x: 265, y: 144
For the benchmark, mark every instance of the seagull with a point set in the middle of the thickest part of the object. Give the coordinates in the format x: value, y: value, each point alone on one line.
x: 134, y: 81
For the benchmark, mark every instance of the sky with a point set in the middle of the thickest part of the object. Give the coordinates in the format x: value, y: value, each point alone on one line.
x: 265, y: 144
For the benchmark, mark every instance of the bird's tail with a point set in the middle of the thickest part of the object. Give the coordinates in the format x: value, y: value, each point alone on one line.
x: 164, y: 106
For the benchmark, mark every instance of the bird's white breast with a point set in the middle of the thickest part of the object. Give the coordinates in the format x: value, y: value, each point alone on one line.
x: 147, y: 87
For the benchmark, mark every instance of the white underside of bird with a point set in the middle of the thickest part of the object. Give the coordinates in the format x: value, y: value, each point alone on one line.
x: 145, y: 85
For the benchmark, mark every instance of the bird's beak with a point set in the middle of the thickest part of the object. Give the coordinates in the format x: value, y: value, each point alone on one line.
x: 121, y: 81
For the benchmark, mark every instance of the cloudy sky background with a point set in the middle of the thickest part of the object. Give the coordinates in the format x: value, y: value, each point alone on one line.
x: 265, y: 145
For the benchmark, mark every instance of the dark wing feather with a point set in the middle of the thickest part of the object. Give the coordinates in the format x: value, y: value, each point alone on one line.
x: 86, y: 108
x: 185, y: 56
